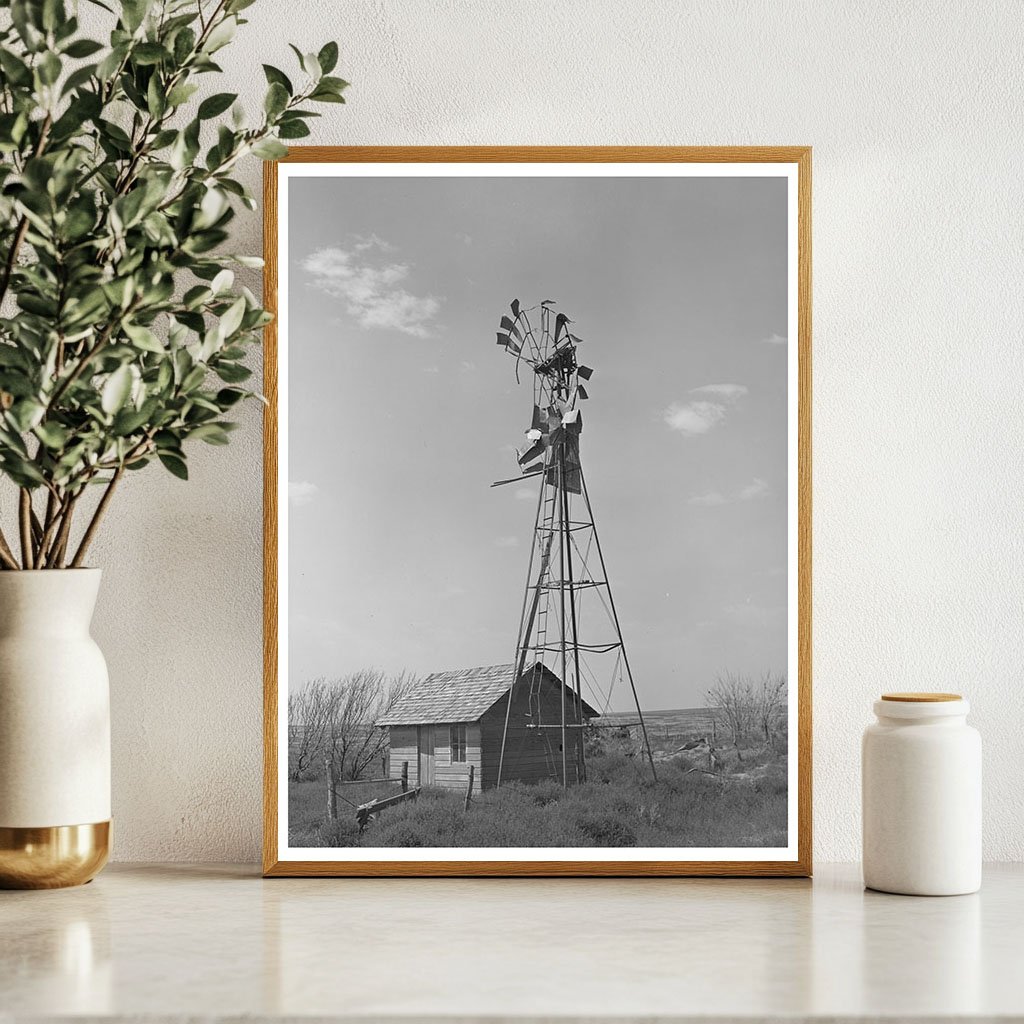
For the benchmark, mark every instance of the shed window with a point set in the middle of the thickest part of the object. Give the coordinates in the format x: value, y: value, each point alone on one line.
x: 458, y: 743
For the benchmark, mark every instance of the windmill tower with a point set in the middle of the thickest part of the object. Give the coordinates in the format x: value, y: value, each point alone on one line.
x: 567, y: 579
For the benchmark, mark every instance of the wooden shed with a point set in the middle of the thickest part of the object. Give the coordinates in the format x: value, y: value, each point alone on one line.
x: 455, y: 719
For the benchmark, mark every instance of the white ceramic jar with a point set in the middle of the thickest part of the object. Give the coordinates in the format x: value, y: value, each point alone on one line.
x: 921, y: 788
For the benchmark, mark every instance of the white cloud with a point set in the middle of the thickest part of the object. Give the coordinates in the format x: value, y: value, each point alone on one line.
x: 757, y: 488
x: 371, y: 287
x: 698, y: 417
x: 507, y: 542
x: 695, y: 417
x: 301, y: 492
x: 730, y: 392
x: 709, y: 499
x: 775, y: 339
x: 525, y: 494
x: 361, y: 243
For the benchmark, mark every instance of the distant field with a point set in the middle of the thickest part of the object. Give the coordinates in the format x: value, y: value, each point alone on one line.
x: 742, y: 802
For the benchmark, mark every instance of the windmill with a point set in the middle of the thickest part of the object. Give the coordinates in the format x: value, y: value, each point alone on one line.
x: 566, y: 568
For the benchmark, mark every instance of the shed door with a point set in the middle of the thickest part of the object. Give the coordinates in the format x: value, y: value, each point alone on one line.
x: 426, y: 746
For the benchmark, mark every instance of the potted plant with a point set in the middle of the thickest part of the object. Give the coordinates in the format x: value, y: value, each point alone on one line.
x: 122, y: 340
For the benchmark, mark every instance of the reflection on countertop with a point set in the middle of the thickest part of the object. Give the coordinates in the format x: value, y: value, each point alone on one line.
x: 217, y: 940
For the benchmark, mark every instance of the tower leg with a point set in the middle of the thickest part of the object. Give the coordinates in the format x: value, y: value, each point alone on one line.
x: 615, y: 619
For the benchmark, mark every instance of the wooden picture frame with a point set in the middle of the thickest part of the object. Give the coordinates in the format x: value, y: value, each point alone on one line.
x: 795, y: 161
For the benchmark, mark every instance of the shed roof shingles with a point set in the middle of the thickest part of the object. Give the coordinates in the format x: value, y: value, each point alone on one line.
x: 459, y: 695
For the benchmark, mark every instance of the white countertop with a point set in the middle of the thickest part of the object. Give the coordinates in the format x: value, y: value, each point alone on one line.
x: 176, y: 941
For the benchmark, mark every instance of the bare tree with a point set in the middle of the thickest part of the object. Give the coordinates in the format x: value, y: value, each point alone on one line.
x: 749, y: 709
x: 732, y: 695
x: 771, y: 705
x: 334, y: 720
x: 309, y: 712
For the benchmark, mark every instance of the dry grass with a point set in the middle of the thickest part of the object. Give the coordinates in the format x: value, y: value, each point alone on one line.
x: 620, y: 805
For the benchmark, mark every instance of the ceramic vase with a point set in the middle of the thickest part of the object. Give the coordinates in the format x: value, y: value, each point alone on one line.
x: 54, y: 731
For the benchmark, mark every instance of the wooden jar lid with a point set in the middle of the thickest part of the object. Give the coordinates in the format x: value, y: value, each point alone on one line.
x: 920, y: 698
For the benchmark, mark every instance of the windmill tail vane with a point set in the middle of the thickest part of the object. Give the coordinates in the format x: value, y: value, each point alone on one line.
x: 563, y: 573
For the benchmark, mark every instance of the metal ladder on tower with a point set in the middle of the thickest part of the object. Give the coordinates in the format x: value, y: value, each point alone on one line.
x: 545, y: 530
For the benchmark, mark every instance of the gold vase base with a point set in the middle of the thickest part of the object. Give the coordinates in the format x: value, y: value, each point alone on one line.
x: 53, y: 857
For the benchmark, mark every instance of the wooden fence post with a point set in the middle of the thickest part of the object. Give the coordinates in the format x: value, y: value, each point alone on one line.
x: 469, y: 788
x: 332, y: 790
x: 405, y: 776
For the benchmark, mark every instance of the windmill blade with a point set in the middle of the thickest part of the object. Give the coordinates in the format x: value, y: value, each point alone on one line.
x: 585, y: 372
x: 581, y: 391
x: 534, y: 451
x: 560, y: 321
x: 548, y: 302
x: 515, y: 308
x: 511, y: 344
x: 508, y: 325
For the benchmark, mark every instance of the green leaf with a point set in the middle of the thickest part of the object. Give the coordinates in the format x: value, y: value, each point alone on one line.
x: 328, y: 57
x: 293, y: 130
x: 156, y: 101
x: 53, y: 435
x: 326, y: 96
x: 133, y: 13
x: 83, y: 48
x: 334, y: 84
x: 211, y: 433
x: 181, y: 94
x: 222, y: 281
x: 276, y: 100
x: 26, y: 414
x: 233, y: 373
x: 149, y: 53
x: 278, y: 77
x: 144, y: 338
x: 116, y: 390
x: 48, y: 68
x: 128, y: 421
x: 16, y: 70
x: 78, y: 78
x: 216, y: 104
x: 311, y: 65
x: 184, y: 43
x: 221, y: 35
x: 232, y: 319
x: 269, y: 149
x: 174, y: 464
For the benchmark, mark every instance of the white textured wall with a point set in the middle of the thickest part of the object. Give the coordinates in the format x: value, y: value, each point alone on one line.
x: 914, y: 111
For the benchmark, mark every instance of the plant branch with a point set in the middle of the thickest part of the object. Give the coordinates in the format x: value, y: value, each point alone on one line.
x: 22, y: 228
x: 97, y: 516
x: 60, y: 544
x: 25, y: 523
x: 87, y: 357
x: 6, y: 555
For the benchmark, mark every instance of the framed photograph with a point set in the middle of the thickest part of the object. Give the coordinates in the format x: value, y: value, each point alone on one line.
x: 538, y: 511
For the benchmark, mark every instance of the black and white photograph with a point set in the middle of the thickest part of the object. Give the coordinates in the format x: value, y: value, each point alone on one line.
x: 536, y: 531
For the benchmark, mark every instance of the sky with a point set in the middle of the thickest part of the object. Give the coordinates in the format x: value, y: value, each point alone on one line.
x: 403, y: 410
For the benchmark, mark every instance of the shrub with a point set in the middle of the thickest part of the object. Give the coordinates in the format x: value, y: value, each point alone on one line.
x: 606, y: 830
